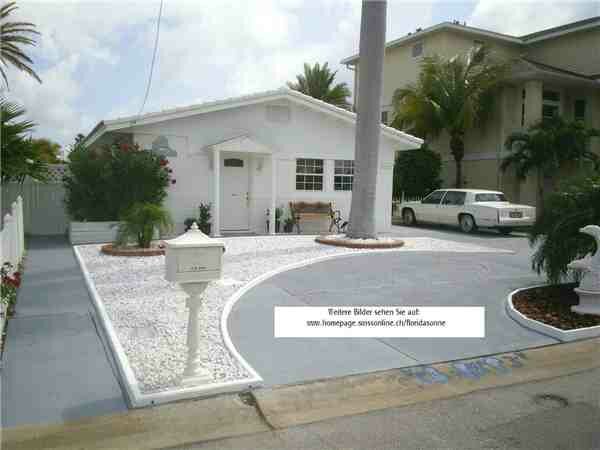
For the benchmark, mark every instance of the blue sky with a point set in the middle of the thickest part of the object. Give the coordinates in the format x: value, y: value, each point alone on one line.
x: 94, y: 56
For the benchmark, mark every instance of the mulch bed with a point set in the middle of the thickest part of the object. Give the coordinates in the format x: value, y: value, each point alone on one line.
x: 552, y: 305
x: 110, y: 249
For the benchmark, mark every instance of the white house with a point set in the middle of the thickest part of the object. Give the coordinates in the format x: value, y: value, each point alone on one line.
x: 249, y: 154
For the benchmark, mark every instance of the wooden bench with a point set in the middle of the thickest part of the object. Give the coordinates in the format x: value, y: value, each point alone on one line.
x: 302, y: 211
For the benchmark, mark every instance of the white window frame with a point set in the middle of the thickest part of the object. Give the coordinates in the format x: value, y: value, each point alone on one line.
x: 310, y: 172
x: 346, y: 179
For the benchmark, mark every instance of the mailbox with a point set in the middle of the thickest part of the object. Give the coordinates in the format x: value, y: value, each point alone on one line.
x: 193, y: 257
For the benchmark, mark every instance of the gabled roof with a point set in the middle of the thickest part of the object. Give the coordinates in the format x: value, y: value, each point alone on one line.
x: 236, y: 102
x: 549, y: 33
x: 527, y: 68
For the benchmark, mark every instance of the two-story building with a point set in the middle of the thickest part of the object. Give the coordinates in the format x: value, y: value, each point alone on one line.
x: 554, y: 71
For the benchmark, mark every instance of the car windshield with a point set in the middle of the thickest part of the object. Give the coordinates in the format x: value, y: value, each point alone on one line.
x: 490, y: 197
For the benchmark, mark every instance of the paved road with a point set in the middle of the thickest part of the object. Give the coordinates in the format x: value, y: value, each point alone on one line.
x: 428, y: 279
x: 55, y: 366
x: 557, y: 414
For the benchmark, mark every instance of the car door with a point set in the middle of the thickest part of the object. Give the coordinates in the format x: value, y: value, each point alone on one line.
x: 428, y: 210
x: 451, y: 206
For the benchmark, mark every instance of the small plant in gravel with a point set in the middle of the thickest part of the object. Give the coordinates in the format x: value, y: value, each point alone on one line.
x: 204, y: 217
x: 139, y: 223
x: 555, y: 234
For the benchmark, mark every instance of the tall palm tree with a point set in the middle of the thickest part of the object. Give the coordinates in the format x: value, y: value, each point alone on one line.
x: 19, y: 156
x: 318, y: 82
x: 548, y: 146
x: 452, y: 95
x: 14, y: 35
x: 363, y: 224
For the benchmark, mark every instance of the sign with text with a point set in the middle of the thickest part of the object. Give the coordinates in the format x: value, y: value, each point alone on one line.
x: 379, y: 321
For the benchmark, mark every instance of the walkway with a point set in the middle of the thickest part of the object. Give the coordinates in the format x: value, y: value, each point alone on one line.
x: 428, y: 279
x: 56, y: 366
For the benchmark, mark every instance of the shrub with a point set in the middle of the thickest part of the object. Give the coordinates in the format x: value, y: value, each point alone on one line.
x: 417, y: 172
x: 555, y: 233
x: 139, y: 223
x: 103, y: 184
x: 204, y: 217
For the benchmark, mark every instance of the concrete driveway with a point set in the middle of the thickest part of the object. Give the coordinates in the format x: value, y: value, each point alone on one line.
x: 427, y: 279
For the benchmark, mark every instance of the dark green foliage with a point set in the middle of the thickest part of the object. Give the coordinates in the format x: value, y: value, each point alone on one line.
x: 204, y: 217
x: 417, y: 172
x: 139, y: 222
x: 20, y: 158
x: 103, y: 184
x: 555, y: 234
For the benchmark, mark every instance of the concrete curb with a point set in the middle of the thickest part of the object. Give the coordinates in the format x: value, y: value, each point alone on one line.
x: 311, y: 402
x: 548, y: 330
x: 186, y: 422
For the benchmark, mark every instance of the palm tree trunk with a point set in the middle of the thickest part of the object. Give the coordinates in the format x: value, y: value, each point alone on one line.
x: 457, y: 148
x: 363, y: 222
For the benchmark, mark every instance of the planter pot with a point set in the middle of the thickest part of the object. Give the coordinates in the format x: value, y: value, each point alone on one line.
x: 288, y: 227
x: 277, y: 226
x: 92, y: 232
x: 205, y: 228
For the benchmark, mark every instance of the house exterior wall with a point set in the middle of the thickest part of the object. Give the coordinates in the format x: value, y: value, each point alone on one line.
x: 300, y: 133
x: 578, y: 52
x: 484, y: 147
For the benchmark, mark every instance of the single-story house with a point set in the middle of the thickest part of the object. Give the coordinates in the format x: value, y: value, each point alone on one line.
x: 250, y: 154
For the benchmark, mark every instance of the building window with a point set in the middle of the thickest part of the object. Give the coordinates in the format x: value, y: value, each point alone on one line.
x: 384, y: 117
x: 233, y: 162
x: 343, y: 175
x: 579, y: 110
x: 417, y: 49
x: 309, y: 174
x: 550, y: 104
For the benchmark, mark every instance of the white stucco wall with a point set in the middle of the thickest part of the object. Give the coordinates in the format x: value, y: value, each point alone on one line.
x: 301, y: 132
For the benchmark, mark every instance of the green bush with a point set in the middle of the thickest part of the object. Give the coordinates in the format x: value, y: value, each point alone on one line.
x: 555, y: 234
x: 139, y: 222
x: 103, y: 184
x: 417, y: 172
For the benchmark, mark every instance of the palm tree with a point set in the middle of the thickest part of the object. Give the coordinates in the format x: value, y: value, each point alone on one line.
x: 547, y: 147
x: 317, y: 81
x: 363, y: 224
x: 13, y: 35
x: 19, y: 156
x: 452, y: 95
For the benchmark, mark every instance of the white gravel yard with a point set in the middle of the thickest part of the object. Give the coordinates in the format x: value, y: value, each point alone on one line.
x: 149, y: 313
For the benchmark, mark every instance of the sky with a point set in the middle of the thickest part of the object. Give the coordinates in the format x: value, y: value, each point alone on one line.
x: 94, y: 56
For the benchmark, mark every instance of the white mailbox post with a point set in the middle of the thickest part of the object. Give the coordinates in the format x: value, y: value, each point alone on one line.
x: 193, y: 260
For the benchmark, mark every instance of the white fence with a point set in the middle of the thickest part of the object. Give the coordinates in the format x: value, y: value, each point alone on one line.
x: 12, y: 236
x: 44, y: 210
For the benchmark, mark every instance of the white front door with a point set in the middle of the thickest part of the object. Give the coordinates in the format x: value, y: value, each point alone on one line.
x: 234, y: 193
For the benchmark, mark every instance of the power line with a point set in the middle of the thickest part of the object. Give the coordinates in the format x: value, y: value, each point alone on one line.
x: 153, y: 58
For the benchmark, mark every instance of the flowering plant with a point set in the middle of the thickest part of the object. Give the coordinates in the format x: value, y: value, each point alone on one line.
x: 9, y: 285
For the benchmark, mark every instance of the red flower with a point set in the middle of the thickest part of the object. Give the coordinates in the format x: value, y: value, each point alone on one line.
x: 164, y: 162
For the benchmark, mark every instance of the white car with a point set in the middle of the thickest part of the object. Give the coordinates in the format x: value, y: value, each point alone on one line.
x: 469, y: 208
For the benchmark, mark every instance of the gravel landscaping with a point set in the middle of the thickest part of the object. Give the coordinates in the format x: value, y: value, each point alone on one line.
x: 149, y: 314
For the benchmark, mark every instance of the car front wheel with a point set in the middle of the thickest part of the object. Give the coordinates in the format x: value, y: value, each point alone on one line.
x: 408, y: 216
x: 467, y: 223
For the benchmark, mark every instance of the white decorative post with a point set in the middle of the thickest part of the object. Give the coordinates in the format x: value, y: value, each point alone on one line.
x: 589, y: 286
x: 21, y: 226
x: 273, y: 208
x: 14, y: 212
x: 193, y: 260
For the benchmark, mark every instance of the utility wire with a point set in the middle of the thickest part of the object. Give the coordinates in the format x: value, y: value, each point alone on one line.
x: 153, y: 58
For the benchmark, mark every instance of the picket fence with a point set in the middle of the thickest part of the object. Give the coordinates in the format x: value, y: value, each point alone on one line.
x: 12, y: 236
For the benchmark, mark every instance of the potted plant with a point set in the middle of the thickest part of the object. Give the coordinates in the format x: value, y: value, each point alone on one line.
x: 204, y: 218
x: 288, y: 225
